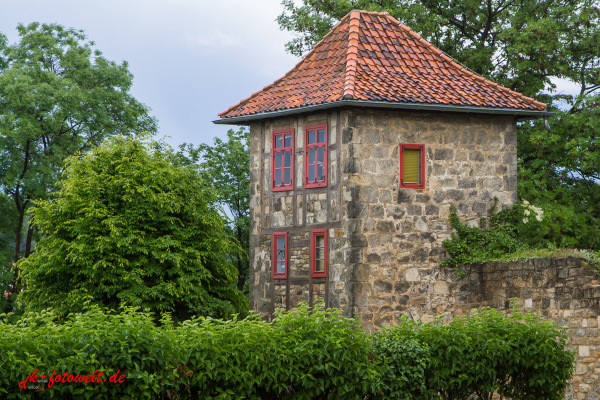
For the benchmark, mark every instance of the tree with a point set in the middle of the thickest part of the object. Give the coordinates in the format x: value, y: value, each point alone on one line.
x: 58, y: 96
x: 526, y: 46
x: 128, y: 225
x: 228, y: 165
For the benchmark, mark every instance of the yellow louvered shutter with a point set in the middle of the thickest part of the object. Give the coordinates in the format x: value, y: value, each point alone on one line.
x: 412, y: 166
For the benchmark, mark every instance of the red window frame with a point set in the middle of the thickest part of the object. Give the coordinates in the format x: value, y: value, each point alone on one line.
x: 313, y: 253
x: 283, y: 150
x: 316, y: 145
x: 274, y: 259
x: 421, y: 184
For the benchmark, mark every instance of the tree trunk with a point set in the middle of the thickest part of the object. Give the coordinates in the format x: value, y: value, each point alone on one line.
x: 29, y: 238
x: 18, y: 247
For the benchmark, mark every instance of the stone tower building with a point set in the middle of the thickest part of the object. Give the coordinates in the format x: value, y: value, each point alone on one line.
x: 356, y: 155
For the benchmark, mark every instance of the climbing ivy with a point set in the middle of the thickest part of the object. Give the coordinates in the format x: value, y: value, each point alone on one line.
x: 524, y: 229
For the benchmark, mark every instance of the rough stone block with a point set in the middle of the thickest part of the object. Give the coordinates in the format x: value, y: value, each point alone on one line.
x: 383, y: 286
x: 469, y: 183
x: 405, y: 196
x: 455, y: 195
x: 412, y: 275
x: 386, y: 227
x: 476, y: 156
x: 414, y: 209
x: 443, y: 154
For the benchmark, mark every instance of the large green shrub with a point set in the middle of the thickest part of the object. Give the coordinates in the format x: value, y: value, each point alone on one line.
x: 303, y: 354
x: 129, y: 225
x: 519, y: 356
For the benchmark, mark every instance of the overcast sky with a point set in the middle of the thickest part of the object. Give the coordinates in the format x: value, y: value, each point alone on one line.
x: 191, y: 59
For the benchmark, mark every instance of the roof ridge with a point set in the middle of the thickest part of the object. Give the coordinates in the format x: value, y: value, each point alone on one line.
x: 461, y: 67
x: 351, y: 55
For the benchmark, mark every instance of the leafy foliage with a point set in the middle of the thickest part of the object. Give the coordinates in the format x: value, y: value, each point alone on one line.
x: 404, y: 362
x: 129, y: 226
x: 518, y: 356
x: 326, y: 354
x: 228, y: 167
x: 473, y: 244
x: 58, y: 96
x: 86, y: 342
x: 302, y: 355
x: 519, y: 229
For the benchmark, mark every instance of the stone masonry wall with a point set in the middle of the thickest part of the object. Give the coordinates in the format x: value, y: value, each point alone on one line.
x: 395, y: 235
x: 565, y: 290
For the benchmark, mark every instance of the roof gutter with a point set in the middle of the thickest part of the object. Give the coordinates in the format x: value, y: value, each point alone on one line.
x: 519, y: 113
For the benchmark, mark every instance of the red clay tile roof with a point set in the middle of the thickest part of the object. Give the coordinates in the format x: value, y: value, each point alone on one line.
x: 370, y: 56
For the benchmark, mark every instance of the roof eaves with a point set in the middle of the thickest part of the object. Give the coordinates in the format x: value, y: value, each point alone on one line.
x: 521, y: 114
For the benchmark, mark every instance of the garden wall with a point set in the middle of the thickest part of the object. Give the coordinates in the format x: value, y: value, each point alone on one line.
x: 565, y: 290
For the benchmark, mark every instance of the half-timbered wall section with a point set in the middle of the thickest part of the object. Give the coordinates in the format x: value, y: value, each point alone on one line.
x: 300, y: 211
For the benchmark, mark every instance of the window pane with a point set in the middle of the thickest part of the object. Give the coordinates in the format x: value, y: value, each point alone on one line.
x: 320, y: 242
x: 287, y: 159
x: 311, y: 137
x: 278, y: 177
x: 278, y: 141
x: 311, y: 174
x: 412, y: 166
x: 321, y: 135
x: 311, y: 155
x: 288, y: 140
x: 319, y: 265
x: 281, y: 267
x: 278, y: 160
x: 320, y: 253
x: 320, y: 172
x: 321, y: 154
x: 287, y: 176
x: 281, y: 244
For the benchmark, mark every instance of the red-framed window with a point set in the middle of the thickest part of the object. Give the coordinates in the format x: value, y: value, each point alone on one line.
x: 282, y: 160
x: 318, y: 253
x: 315, y: 156
x: 412, y: 166
x: 280, y: 255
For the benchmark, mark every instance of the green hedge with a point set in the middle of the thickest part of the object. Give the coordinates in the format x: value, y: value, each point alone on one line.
x: 304, y: 354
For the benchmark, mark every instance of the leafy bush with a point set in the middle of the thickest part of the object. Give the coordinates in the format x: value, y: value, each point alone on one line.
x: 303, y: 354
x: 403, y: 362
x: 86, y: 342
x: 327, y: 355
x: 518, y: 356
x: 521, y: 228
x: 479, y: 244
x: 129, y: 225
x: 231, y: 359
